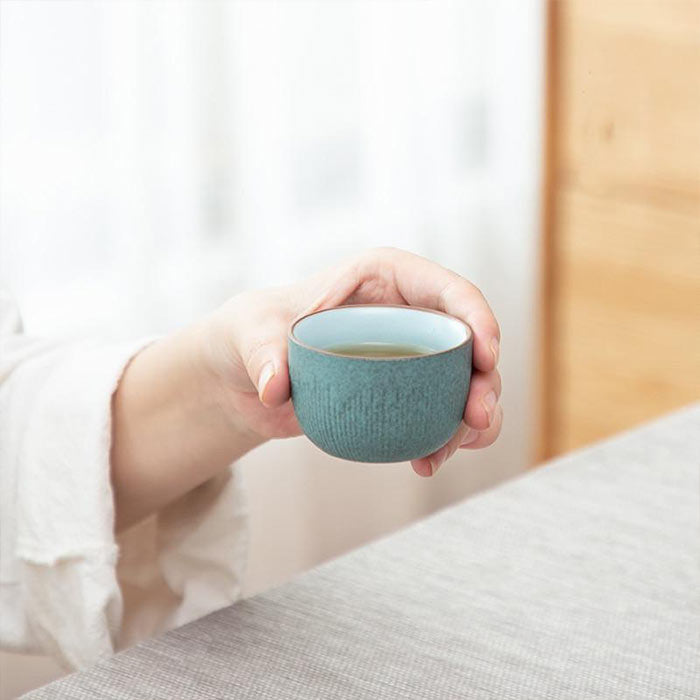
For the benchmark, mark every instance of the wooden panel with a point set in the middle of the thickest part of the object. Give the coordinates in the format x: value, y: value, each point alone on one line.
x: 630, y: 95
x: 627, y: 316
x: 622, y: 217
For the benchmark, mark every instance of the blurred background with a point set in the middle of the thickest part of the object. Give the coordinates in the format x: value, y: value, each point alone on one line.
x: 158, y: 157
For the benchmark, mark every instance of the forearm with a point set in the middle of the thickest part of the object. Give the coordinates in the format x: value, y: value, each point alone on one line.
x: 172, y: 429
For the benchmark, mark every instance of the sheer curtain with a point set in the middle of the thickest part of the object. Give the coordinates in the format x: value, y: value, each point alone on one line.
x: 162, y: 155
x: 156, y: 157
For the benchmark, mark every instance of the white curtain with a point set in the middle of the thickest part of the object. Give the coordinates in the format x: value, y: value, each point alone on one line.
x: 156, y: 157
x: 162, y: 155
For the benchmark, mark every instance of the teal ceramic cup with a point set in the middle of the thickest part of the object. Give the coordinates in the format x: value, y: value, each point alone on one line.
x: 379, y: 409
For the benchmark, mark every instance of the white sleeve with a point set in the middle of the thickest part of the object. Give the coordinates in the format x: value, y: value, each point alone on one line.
x: 68, y: 587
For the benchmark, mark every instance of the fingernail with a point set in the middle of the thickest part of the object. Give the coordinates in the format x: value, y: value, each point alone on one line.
x: 268, y: 371
x: 489, y: 403
x: 470, y: 437
x: 438, y: 460
x: 495, y: 349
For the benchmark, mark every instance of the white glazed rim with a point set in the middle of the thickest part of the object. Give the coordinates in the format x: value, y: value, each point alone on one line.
x: 467, y: 339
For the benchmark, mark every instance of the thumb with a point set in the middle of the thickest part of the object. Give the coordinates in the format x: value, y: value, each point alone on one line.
x: 267, y: 368
x: 273, y: 383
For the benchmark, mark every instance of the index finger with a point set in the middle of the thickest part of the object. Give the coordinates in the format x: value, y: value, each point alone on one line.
x: 422, y: 282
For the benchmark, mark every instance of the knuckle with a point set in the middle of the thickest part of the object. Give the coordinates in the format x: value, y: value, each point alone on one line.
x: 253, y: 352
x: 389, y: 250
x: 485, y: 319
x: 489, y: 436
x: 381, y: 253
x: 497, y: 382
x: 444, y: 293
x: 488, y: 440
x: 259, y: 349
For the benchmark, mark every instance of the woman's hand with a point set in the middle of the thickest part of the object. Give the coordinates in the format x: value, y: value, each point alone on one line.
x: 246, y: 341
x: 190, y: 404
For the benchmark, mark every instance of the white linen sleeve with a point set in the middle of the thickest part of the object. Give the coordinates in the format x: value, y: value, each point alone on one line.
x: 68, y: 586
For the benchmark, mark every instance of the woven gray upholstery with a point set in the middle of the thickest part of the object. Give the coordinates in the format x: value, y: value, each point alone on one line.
x: 578, y: 580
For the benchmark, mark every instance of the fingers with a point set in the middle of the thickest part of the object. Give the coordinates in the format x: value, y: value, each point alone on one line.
x: 266, y: 365
x: 273, y: 381
x: 487, y: 437
x: 427, y: 466
x: 480, y: 426
x: 484, y: 392
x: 260, y: 340
x: 390, y: 275
x: 424, y: 283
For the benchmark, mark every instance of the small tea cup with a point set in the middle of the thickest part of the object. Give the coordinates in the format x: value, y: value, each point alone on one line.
x: 379, y: 408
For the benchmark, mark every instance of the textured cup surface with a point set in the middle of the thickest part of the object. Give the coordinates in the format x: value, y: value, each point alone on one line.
x: 379, y: 409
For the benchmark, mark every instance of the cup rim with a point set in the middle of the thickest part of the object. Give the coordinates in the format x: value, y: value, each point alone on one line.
x: 392, y: 358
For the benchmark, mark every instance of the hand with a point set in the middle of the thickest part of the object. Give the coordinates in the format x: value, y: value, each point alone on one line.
x: 190, y: 404
x: 245, y: 342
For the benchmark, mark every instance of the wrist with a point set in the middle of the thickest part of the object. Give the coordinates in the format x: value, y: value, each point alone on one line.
x: 173, y: 426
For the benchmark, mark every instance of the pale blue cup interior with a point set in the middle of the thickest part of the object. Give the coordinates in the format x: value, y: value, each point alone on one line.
x: 380, y: 324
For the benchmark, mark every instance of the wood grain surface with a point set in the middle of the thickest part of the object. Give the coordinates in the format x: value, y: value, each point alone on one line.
x: 621, y: 341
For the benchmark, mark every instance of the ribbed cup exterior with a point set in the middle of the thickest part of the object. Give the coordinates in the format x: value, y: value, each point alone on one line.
x: 379, y: 410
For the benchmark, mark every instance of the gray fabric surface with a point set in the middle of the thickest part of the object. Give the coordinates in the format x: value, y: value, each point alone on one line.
x: 578, y: 580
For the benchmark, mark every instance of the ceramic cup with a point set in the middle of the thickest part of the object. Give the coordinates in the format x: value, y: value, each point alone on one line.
x: 379, y: 409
